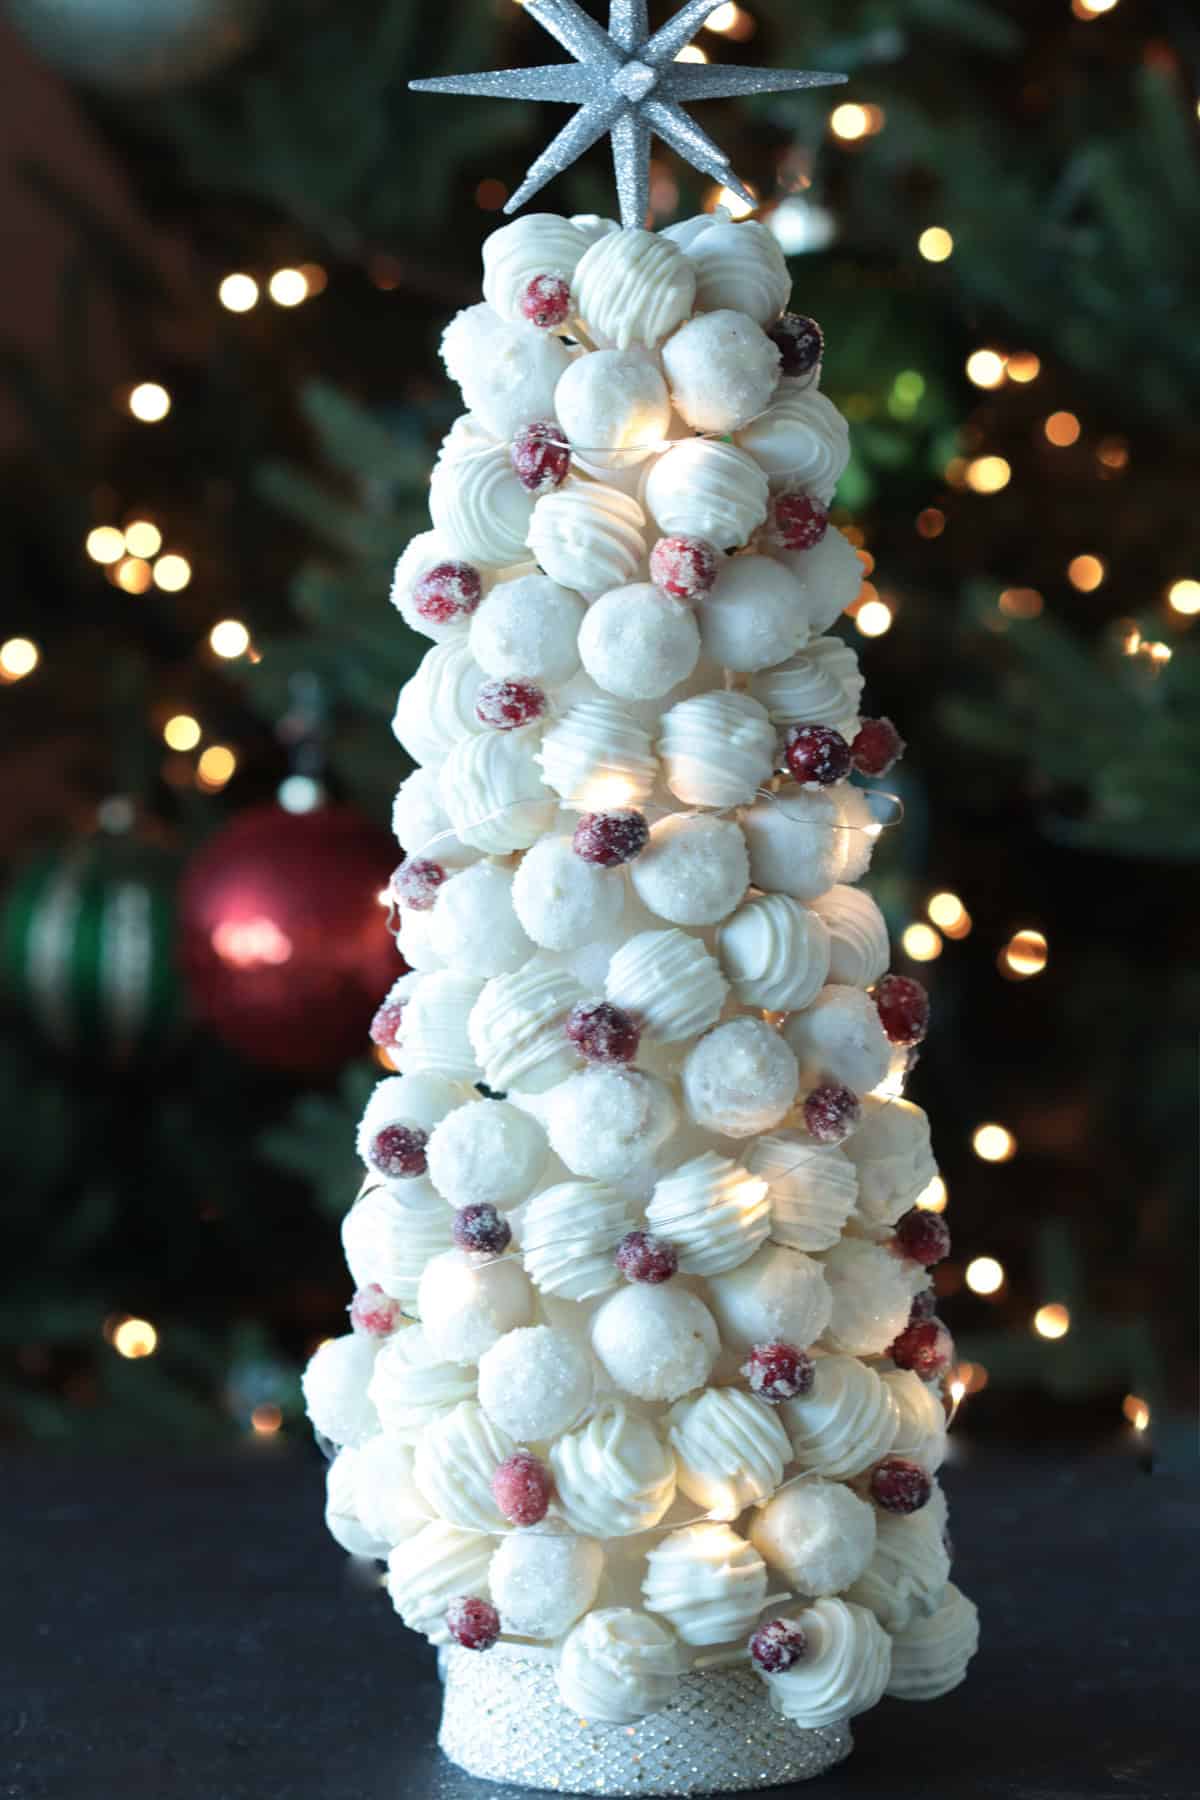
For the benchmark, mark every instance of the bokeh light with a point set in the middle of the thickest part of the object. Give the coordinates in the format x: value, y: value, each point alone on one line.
x: 994, y: 1143
x: 985, y: 1275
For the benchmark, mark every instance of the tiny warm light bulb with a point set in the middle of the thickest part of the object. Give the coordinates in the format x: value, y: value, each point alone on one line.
x: 994, y: 1143
x: 1025, y: 954
x: 1062, y: 429
x: 143, y: 538
x: 921, y: 942
x: 134, y: 1338
x: 935, y: 1197
x: 987, y: 368
x: 149, y: 402
x: 1086, y: 573
x: 1091, y: 9
x: 985, y: 1275
x: 692, y: 53
x: 947, y: 911
x: 1023, y: 366
x: 238, y: 293
x: 1136, y: 1411
x: 988, y: 474
x: 733, y: 203
x: 1183, y: 597
x: 936, y: 244
x: 19, y: 657
x: 216, y: 767
x: 266, y: 1419
x: 105, y: 544
x: 288, y: 287
x: 171, y: 573
x: 229, y: 638
x: 1053, y: 1321
x: 873, y: 618
x: 849, y: 122
x: 723, y: 18
x: 133, y: 575
x: 181, y: 732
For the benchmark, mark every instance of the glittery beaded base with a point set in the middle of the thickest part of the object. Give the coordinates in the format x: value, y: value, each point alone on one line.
x: 502, y: 1720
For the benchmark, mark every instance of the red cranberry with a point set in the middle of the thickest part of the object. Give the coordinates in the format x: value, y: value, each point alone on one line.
x: 926, y: 1348
x: 521, y: 1489
x: 398, y: 1151
x: 643, y: 1257
x: 387, y: 1024
x: 374, y: 1313
x: 546, y: 302
x: 832, y: 1114
x: 776, y: 1645
x: 817, y: 754
x: 450, y: 591
x: 541, y: 457
x: 778, y: 1372
x: 684, y: 567
x: 903, y: 1009
x: 475, y: 1624
x: 877, y: 748
x: 483, y: 1229
x: 416, y: 882
x: 611, y: 838
x: 923, y: 1236
x: 801, y: 343
x: 603, y: 1033
x: 799, y: 521
x: 924, y: 1305
x: 900, y: 1486
x: 507, y: 705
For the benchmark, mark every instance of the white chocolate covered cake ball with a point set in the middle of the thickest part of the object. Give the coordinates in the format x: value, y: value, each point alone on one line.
x: 906, y: 1578
x: 638, y: 643
x: 801, y: 440
x: 619, y: 1665
x: 455, y: 1459
x: 633, y: 287
x: 741, y: 266
x: 518, y: 1028
x: 794, y: 842
x: 704, y: 489
x: 754, y: 617
x: 609, y: 1123
x: 818, y: 1535
x: 820, y: 685
x: 434, y: 1036
x: 478, y: 503
x: 563, y: 901
x: 775, y: 952
x: 859, y: 949
x: 656, y: 1343
x: 930, y: 1655
x: 527, y: 629
x: 397, y: 1120
x: 741, y: 1079
x: 492, y: 791
x: 812, y: 1188
x: 694, y: 870
x: 723, y: 370
x: 712, y: 1211
x: 613, y: 1477
x: 614, y: 407
x: 474, y: 927
x: 717, y: 749
x: 859, y: 830
x: 670, y: 982
x: 387, y: 1243
x: 707, y: 1581
x: 839, y: 1041
x: 597, y: 757
x: 892, y: 1153
x: 467, y: 1304
x: 730, y: 1450
x: 436, y: 1566
x: 411, y: 1387
x: 588, y: 536
x: 831, y: 574
x: 779, y: 1296
x: 872, y: 1291
x: 436, y: 708
x: 534, y: 245
x: 535, y: 1382
x: 921, y: 1431
x: 543, y: 1581
x: 844, y: 1670
x: 569, y: 1236
x: 335, y: 1384
x: 508, y: 373
x: 845, y: 1423
x: 386, y: 1497
x: 489, y: 1153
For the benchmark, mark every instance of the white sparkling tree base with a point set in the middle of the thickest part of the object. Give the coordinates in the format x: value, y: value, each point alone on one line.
x: 503, y: 1720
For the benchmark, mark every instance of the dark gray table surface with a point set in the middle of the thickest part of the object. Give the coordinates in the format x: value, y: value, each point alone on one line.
x: 185, y: 1630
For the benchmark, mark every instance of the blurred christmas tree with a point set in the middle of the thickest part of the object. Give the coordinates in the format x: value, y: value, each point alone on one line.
x: 224, y: 441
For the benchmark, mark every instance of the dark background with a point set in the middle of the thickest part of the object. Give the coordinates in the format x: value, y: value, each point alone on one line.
x: 176, y: 1132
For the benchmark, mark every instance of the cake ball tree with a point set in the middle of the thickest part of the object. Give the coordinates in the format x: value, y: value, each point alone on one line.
x: 642, y: 1396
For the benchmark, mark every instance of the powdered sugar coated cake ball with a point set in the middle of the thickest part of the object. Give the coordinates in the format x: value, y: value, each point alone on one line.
x: 507, y: 372
x: 442, y: 608
x: 473, y: 926
x: 488, y: 1153
x: 839, y: 1041
x: 739, y: 265
x: 535, y: 1382
x: 638, y: 643
x: 420, y: 823
x: 543, y: 1581
x: 633, y: 287
x: 614, y: 407
x: 794, y: 842
x: 694, y: 870
x: 335, y: 1385
x: 608, y: 1123
x: 872, y: 1292
x: 831, y: 574
x: 467, y: 1304
x: 704, y: 489
x: 779, y: 1296
x: 754, y: 616
x: 589, y: 536
x: 717, y: 749
x: 723, y: 370
x: 536, y: 244
x: 528, y: 629
x: 563, y: 901
x: 817, y: 1534
x: 408, y: 1105
x: 892, y: 1152
x: 740, y: 1079
x: 657, y: 1343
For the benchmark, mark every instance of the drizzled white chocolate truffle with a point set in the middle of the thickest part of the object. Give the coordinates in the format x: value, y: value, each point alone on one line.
x: 588, y: 536
x: 569, y: 1236
x: 930, y: 1655
x: 921, y: 1431
x: 473, y: 926
x: 491, y: 788
x: 478, y: 503
x: 819, y: 686
x: 433, y: 1030
x: 411, y: 1387
x: 741, y: 266
x: 794, y: 842
x: 535, y: 244
x: 716, y: 749
x: 845, y: 1423
x: 859, y: 950
x: 437, y: 706
x: 517, y: 1028
x: 615, y: 408
x: 387, y: 1242
x: 843, y: 1672
x: 597, y: 756
x: 486, y: 1154
x: 741, y: 1079
x: 656, y: 1343
x: 713, y: 1211
x: 872, y: 1291
x: 633, y: 287
x: 507, y: 373
x: 801, y: 440
x: 618, y: 1665
x: 385, y: 1496
x: 754, y: 616
x: 818, y: 1534
x: 638, y: 643
x: 542, y: 1581
x: 670, y: 981
x: 613, y: 1477
x: 723, y: 370
x: 812, y: 1188
x: 775, y: 953
x: 892, y: 1152
x: 839, y: 1039
x: 456, y: 1457
x: 701, y: 488
x: 467, y: 1304
x: 694, y: 870
x: 730, y: 1450
x: 335, y: 1386
x: 709, y: 1582
x: 779, y: 1296
x: 906, y: 1578
x: 527, y: 630
x: 535, y: 1382
x: 440, y: 1563
x: 609, y: 1123
x: 341, y: 1519
x: 562, y: 901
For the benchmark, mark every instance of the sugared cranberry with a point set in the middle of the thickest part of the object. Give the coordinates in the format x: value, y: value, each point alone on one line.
x: 832, y: 1114
x: 801, y: 343
x: 817, y: 754
x: 603, y: 1033
x: 684, y: 567
x: 903, y: 1009
x: 546, y: 302
x: 900, y: 1486
x: 924, y: 1305
x: 611, y: 838
x: 475, y: 1624
x: 777, y: 1645
x: 374, y: 1313
x: 926, y: 1348
x: 924, y: 1236
x: 799, y: 521
x: 643, y: 1257
x: 387, y: 1024
x: 778, y: 1372
x: 541, y: 457
x: 483, y: 1229
x: 398, y: 1151
x: 450, y: 591
x: 877, y: 748
x: 416, y: 882
x: 521, y: 1489
x: 507, y: 705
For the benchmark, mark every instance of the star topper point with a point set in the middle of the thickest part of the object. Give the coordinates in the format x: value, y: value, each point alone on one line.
x: 626, y: 83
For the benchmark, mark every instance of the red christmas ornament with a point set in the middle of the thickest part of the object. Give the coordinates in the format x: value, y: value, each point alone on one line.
x: 282, y: 939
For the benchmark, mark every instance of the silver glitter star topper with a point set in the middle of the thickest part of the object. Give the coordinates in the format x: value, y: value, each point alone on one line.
x: 628, y: 83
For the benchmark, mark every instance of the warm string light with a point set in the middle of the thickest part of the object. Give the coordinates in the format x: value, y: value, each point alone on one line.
x: 216, y: 767
x: 143, y: 538
x: 229, y: 639
x: 181, y: 732
x: 266, y: 1419
x: 1026, y: 954
x: 1136, y: 1411
x: 987, y: 368
x: 936, y: 244
x: 873, y: 618
x: 988, y: 474
x: 935, y: 1197
x: 1086, y: 573
x: 133, y: 575
x: 1052, y: 1321
x: 985, y: 1276
x: 288, y: 287
x: 105, y: 544
x: 149, y: 402
x: 993, y: 1143
x: 19, y: 657
x: 1183, y: 597
x: 921, y: 942
x: 692, y: 53
x: 851, y: 122
x: 1087, y: 10
x: 133, y: 1338
x: 1021, y: 603
x: 172, y: 573
x: 734, y: 204
x: 949, y: 915
x: 1023, y: 367
x: 1062, y: 429
x: 238, y: 293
